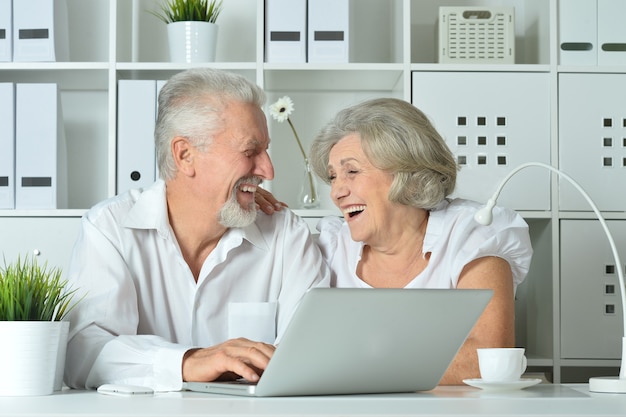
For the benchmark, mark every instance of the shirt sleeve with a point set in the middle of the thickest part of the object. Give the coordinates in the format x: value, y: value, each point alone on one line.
x: 139, y: 360
x: 507, y: 237
x: 328, y: 239
x: 103, y: 343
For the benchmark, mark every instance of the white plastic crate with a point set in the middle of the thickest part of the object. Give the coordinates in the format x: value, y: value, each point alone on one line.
x: 477, y: 35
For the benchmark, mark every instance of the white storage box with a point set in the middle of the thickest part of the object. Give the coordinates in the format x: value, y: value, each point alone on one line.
x: 492, y: 121
x: 477, y: 35
x: 589, y: 273
x: 592, y: 140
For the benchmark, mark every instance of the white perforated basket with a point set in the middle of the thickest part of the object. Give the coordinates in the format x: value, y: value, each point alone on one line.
x: 477, y: 35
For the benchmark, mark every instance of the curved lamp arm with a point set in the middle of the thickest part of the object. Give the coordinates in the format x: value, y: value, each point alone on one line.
x: 484, y: 216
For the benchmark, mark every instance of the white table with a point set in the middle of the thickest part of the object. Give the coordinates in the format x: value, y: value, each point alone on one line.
x: 540, y: 400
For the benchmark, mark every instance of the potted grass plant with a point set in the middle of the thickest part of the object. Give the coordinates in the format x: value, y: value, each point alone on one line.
x: 34, y: 299
x: 191, y: 28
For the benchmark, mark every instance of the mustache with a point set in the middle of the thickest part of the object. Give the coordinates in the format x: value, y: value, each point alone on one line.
x: 254, y: 180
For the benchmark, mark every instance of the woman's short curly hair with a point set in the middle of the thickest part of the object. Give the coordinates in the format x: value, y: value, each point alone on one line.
x: 397, y: 138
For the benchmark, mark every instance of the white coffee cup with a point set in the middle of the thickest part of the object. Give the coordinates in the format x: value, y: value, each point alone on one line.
x: 501, y: 364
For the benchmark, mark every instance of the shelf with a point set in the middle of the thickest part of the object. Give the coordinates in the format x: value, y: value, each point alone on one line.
x: 339, y: 77
x: 591, y: 362
x: 316, y: 212
x: 176, y: 67
x: 621, y: 69
x: 481, y: 68
x: 541, y: 215
x: 69, y: 75
x: 63, y: 213
x: 590, y: 215
x: 53, y: 66
x: 164, y: 70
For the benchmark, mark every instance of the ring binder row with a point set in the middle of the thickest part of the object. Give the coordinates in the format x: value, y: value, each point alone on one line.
x: 299, y: 31
x: 33, y: 169
x: 592, y: 32
x: 33, y: 31
x: 137, y: 111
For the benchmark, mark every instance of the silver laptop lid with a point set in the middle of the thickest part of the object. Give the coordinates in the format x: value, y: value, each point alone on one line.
x: 358, y: 341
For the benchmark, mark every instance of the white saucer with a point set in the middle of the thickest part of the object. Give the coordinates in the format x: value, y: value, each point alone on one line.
x: 502, y: 386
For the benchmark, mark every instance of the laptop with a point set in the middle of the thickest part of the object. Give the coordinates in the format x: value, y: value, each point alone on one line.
x: 364, y: 341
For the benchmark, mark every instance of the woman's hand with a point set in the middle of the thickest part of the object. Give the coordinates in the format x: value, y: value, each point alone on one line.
x: 267, y: 202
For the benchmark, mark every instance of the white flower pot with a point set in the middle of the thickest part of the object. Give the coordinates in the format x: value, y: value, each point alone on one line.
x: 28, y: 356
x: 192, y: 41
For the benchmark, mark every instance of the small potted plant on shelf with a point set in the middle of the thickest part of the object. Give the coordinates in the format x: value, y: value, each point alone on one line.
x: 33, y: 301
x: 191, y: 28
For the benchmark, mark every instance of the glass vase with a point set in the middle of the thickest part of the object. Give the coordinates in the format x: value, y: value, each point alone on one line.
x: 309, y: 197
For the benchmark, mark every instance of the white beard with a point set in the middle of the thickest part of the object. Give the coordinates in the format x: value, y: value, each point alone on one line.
x: 232, y: 214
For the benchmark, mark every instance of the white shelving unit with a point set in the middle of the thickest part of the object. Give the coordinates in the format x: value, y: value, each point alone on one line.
x: 393, y: 44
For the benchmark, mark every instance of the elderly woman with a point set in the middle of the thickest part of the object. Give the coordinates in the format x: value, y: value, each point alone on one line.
x: 390, y: 173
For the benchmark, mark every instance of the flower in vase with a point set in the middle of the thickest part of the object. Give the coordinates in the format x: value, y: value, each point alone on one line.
x: 280, y: 111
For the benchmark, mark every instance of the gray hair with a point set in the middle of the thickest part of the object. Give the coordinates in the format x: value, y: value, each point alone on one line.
x: 397, y: 138
x: 190, y: 104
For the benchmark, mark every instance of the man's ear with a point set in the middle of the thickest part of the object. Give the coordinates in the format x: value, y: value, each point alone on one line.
x: 182, y: 152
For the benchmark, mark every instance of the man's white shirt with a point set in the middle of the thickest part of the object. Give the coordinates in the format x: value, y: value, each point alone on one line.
x: 143, y: 309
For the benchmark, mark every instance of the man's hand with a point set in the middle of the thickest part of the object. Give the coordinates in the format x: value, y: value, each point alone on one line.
x: 232, y: 359
x: 267, y: 202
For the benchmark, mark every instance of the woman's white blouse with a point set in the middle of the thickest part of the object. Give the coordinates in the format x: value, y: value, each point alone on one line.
x: 453, y: 238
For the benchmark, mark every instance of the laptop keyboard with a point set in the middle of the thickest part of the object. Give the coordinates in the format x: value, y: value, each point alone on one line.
x: 241, y: 381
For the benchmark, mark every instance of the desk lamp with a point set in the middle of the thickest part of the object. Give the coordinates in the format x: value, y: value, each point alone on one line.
x: 484, y: 216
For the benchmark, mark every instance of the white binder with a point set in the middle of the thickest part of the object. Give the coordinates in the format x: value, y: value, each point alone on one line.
x: 7, y: 146
x: 285, y: 31
x: 135, y: 134
x: 6, y: 31
x: 328, y: 31
x: 578, y: 32
x: 40, y: 31
x: 40, y: 155
x: 611, y: 32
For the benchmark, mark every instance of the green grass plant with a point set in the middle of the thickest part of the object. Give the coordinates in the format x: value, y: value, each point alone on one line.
x: 33, y: 292
x: 189, y: 10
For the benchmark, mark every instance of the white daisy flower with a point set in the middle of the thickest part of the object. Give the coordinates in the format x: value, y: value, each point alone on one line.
x: 282, y: 109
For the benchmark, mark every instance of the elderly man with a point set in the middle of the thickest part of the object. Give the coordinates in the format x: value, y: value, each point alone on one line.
x: 184, y: 281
